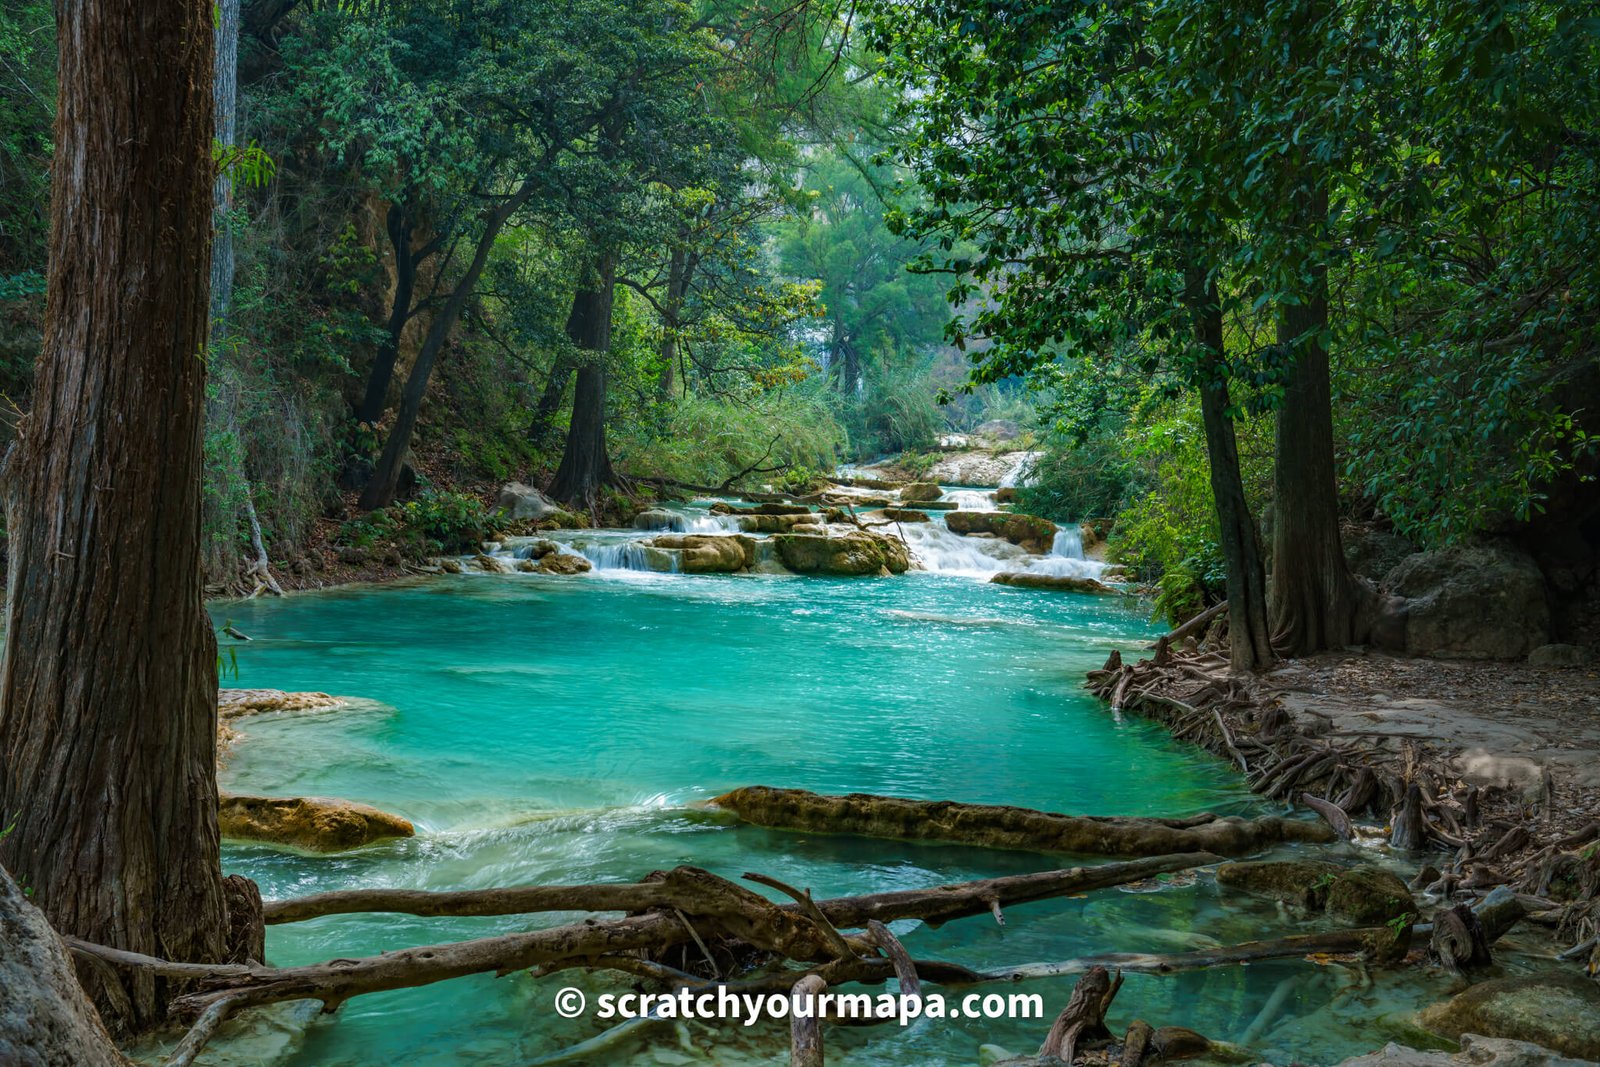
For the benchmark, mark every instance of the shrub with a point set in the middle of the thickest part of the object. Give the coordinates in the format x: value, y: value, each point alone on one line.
x: 434, y: 523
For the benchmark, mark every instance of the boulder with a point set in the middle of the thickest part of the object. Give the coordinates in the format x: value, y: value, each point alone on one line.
x: 766, y: 522
x: 1006, y: 494
x: 563, y: 563
x: 1361, y: 896
x: 1477, y: 602
x: 1374, y: 553
x: 316, y: 824
x: 1558, y: 1011
x: 1476, y: 1051
x: 232, y: 703
x: 1559, y: 656
x: 854, y: 553
x: 1027, y: 531
x: 1062, y: 582
x: 917, y: 491
x: 524, y: 503
x: 722, y: 507
x: 905, y: 515
x: 982, y: 470
x: 709, y: 553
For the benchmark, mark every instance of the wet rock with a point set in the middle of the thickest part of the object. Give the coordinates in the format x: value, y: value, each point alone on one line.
x: 920, y: 491
x: 1559, y: 656
x: 1006, y: 494
x: 1361, y: 896
x: 905, y: 515
x: 1557, y: 1011
x: 852, y: 554
x: 1303, y: 883
x: 563, y: 563
x: 763, y: 522
x: 1062, y: 582
x: 451, y: 566
x: 232, y: 703
x: 1476, y: 1051
x: 1027, y: 531
x: 316, y: 824
x: 491, y: 564
x: 1367, y: 896
x: 1476, y: 602
x: 710, y: 553
x: 524, y: 503
x: 983, y: 470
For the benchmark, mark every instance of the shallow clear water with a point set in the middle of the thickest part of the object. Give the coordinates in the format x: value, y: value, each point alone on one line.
x: 558, y: 730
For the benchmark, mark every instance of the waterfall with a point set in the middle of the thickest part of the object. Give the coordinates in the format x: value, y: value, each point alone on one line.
x: 1021, y: 473
x: 970, y: 499
x: 711, y: 524
x: 941, y: 551
x: 1068, y: 542
x: 627, y: 556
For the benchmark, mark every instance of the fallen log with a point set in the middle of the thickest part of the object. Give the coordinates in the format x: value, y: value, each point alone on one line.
x: 715, y: 904
x: 997, y: 826
x: 934, y: 905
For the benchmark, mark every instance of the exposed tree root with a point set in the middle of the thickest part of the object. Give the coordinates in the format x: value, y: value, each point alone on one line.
x: 995, y: 826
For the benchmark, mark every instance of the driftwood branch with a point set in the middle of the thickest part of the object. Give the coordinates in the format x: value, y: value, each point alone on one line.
x: 805, y: 1022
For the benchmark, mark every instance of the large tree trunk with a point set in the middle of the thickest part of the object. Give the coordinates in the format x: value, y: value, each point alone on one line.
x: 380, y: 491
x: 585, y: 465
x: 108, y: 688
x: 555, y: 390
x: 44, y: 1016
x: 672, y: 307
x: 225, y: 97
x: 398, y: 223
x: 1315, y: 601
x: 1249, y: 637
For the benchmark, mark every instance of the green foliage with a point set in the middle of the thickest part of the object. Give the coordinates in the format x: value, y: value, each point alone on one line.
x: 896, y: 410
x: 435, y: 523
x: 787, y: 432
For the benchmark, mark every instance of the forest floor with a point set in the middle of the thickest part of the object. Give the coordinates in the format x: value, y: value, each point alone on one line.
x: 1504, y: 757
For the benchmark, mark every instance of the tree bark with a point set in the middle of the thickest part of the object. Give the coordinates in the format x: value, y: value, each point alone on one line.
x: 555, y: 390
x: 398, y: 222
x: 225, y: 98
x: 1315, y: 600
x: 1250, y: 645
x: 585, y: 464
x: 380, y: 491
x: 108, y: 689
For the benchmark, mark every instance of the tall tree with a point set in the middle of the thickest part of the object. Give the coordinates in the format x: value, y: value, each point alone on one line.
x: 108, y: 687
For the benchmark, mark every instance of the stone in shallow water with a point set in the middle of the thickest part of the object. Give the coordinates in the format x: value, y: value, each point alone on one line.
x: 1558, y: 1011
x: 232, y: 703
x: 317, y: 824
x: 1476, y: 1051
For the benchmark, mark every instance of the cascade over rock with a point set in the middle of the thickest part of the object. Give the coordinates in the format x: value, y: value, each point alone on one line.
x: 1027, y: 531
x: 709, y: 553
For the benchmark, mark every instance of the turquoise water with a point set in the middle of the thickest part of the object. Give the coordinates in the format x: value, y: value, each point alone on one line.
x: 559, y: 730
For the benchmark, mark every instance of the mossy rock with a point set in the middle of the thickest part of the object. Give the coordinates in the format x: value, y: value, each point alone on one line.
x: 709, y: 553
x: 852, y: 555
x: 1027, y: 531
x: 1367, y: 896
x: 316, y: 824
x: 1303, y: 883
x: 1558, y: 1011
x: 906, y: 515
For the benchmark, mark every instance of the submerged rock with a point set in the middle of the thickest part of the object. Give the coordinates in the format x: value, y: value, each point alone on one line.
x: 855, y: 553
x: 1063, y: 582
x: 1363, y: 896
x: 920, y: 491
x: 317, y: 824
x: 1558, y: 1011
x: 710, y: 553
x: 1476, y: 1051
x: 1027, y: 531
x: 1477, y: 602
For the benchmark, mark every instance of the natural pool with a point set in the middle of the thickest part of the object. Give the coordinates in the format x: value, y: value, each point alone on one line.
x: 557, y: 730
